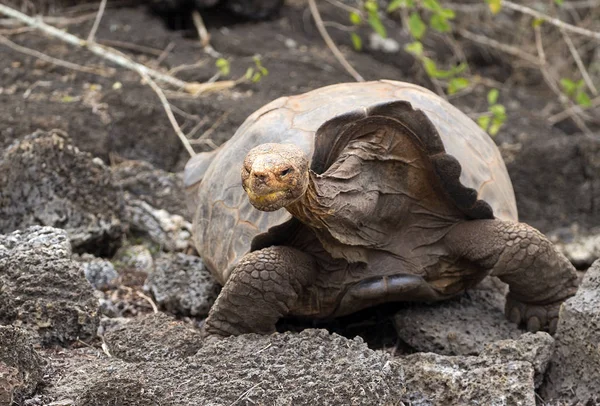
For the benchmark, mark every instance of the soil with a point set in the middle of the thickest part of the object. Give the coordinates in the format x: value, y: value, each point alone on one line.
x: 116, y: 117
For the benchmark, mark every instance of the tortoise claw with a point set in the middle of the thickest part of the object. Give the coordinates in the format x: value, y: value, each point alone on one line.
x: 534, y: 317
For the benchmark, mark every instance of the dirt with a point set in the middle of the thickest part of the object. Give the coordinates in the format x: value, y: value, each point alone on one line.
x: 118, y: 119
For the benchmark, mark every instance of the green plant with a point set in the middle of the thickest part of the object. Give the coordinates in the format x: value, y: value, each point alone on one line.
x: 575, y: 90
x: 224, y: 66
x: 257, y: 72
x: 494, y: 118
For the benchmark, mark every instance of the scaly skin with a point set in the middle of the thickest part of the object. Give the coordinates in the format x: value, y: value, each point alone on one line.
x: 539, y: 277
x: 261, y: 289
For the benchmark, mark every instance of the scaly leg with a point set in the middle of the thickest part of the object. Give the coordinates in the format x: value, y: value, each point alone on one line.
x: 261, y: 289
x: 539, y: 277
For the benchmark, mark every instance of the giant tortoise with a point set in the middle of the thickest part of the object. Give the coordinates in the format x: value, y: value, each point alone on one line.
x: 357, y: 194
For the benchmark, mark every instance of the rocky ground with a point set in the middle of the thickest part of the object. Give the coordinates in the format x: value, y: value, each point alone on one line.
x: 101, y: 294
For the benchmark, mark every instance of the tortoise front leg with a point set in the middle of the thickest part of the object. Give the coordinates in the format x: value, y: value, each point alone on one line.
x: 261, y: 289
x: 539, y: 277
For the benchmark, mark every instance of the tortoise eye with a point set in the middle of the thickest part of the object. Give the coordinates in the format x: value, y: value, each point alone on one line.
x: 285, y: 171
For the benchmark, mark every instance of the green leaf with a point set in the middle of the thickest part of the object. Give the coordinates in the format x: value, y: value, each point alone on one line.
x: 537, y: 22
x: 494, y: 5
x: 356, y: 41
x: 447, y: 13
x: 376, y: 24
x: 223, y: 65
x: 439, y: 23
x: 456, y: 84
x: 256, y: 77
x: 495, y: 126
x: 430, y: 67
x: 416, y: 26
x: 355, y: 18
x: 396, y: 4
x: 559, y: 2
x: 583, y: 99
x: 458, y: 68
x: 498, y: 111
x: 484, y: 122
x: 568, y: 86
x: 492, y: 96
x: 371, y: 6
x: 432, y: 5
x: 249, y: 73
x: 415, y: 48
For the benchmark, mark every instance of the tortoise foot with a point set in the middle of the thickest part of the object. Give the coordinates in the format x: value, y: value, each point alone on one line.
x: 535, y: 317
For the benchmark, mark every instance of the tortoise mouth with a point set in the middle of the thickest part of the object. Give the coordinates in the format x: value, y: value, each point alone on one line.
x: 270, y: 201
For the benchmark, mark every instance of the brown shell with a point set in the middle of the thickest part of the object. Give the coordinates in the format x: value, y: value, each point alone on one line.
x: 467, y: 161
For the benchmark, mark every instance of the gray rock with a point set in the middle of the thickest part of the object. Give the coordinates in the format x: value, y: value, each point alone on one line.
x: 44, y: 180
x: 41, y: 288
x: 309, y: 368
x: 504, y: 374
x: 170, y: 232
x: 582, y: 249
x: 151, y: 338
x: 461, y: 326
x: 21, y: 367
x: 537, y: 349
x: 100, y: 273
x: 158, y: 188
x: 181, y: 284
x: 134, y: 258
x: 575, y: 368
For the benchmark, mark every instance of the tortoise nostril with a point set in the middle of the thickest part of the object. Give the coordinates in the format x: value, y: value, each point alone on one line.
x: 259, y: 177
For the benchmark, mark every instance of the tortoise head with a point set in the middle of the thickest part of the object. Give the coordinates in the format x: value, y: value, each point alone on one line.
x: 275, y: 175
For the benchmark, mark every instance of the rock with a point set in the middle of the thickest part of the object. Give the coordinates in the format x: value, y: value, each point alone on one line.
x: 158, y: 188
x: 21, y: 367
x: 312, y: 367
x: 170, y: 232
x: 41, y: 288
x: 581, y: 249
x: 181, y: 284
x: 151, y: 338
x: 502, y: 375
x: 134, y: 258
x: 537, y: 349
x: 100, y: 273
x: 44, y: 180
x: 571, y: 164
x: 574, y: 372
x: 461, y: 326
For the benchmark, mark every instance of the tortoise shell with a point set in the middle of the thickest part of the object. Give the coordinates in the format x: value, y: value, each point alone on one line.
x: 468, y: 163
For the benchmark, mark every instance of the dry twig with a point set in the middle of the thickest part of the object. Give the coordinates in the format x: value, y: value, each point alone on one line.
x: 336, y: 52
x: 203, y: 34
x: 492, y: 43
x: 552, y: 82
x: 206, y: 135
x: 245, y: 394
x: 149, y: 300
x: 579, y: 62
x: 167, y: 108
x: 130, y: 46
x: 55, y: 61
x: 92, y: 35
x: 551, y: 20
x: 563, y: 115
x: 115, y: 56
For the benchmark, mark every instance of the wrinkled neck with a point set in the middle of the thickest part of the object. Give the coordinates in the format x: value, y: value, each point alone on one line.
x: 307, y: 208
